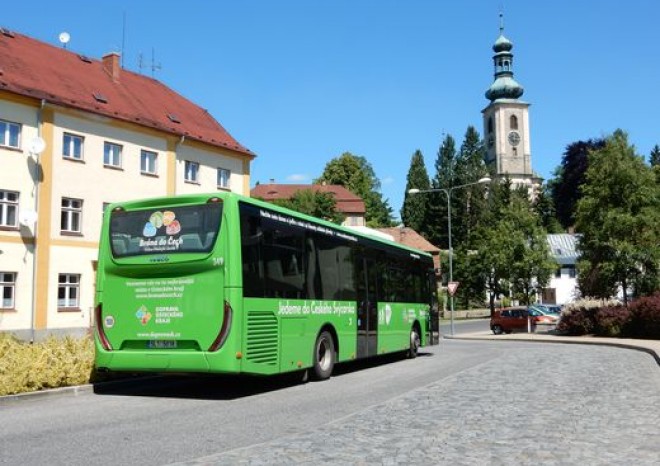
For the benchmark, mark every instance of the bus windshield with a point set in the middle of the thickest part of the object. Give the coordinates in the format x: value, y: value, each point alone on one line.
x: 189, y: 229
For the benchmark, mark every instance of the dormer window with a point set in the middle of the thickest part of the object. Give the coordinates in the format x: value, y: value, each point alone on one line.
x: 100, y: 98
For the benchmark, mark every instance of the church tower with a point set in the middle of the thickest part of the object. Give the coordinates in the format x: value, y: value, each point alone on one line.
x: 506, y: 121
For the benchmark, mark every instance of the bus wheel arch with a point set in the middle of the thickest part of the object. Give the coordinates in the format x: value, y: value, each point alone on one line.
x: 415, y: 340
x: 325, y: 352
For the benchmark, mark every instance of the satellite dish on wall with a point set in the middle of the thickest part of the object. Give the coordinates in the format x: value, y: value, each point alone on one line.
x: 36, y: 145
x: 27, y: 218
x: 64, y: 38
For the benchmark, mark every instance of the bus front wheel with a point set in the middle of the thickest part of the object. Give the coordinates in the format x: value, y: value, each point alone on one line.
x: 324, y: 356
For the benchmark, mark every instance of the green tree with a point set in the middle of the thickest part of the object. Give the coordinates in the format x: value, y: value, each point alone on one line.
x: 654, y: 158
x: 531, y: 265
x: 545, y: 209
x: 357, y: 175
x: 469, y: 204
x: 565, y: 187
x: 315, y: 203
x: 413, y: 212
x: 619, y: 220
x: 436, y: 214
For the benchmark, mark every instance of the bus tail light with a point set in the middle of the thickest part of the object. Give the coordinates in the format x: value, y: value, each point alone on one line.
x: 224, y: 330
x: 99, y: 328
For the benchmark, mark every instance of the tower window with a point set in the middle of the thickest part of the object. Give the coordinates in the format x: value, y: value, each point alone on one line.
x: 513, y: 122
x: 490, y: 125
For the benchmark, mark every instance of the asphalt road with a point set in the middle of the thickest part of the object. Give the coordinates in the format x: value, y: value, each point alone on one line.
x: 449, y: 394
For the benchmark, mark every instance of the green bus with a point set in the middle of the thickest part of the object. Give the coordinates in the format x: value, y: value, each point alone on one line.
x: 224, y: 283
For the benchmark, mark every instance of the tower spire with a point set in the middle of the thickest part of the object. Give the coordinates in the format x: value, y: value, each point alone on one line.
x: 504, y: 86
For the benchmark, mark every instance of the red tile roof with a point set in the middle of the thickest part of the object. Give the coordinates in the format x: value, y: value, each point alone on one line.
x: 410, y: 237
x: 36, y: 69
x: 346, y: 201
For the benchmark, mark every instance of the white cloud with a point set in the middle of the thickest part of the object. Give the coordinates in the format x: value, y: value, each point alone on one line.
x: 298, y: 178
x: 387, y: 180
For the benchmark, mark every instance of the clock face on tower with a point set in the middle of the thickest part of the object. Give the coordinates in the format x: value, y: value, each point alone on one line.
x: 514, y: 138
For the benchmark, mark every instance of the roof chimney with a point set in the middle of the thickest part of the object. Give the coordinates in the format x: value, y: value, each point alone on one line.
x: 111, y: 65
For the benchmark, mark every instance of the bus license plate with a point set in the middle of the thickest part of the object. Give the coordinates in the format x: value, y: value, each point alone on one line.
x: 161, y: 344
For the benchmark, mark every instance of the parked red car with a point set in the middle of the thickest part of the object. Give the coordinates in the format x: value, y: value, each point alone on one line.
x: 513, y: 319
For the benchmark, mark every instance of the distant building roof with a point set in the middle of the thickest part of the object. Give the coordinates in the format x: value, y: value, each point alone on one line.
x: 410, y: 237
x: 346, y: 201
x: 39, y: 70
x: 563, y: 248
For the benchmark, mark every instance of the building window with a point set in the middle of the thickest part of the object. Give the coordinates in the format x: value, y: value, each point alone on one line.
x: 513, y: 122
x: 111, y: 155
x: 558, y: 272
x: 223, y: 178
x: 191, y: 172
x: 490, y: 125
x: 9, y: 134
x: 71, y: 215
x: 571, y: 271
x: 148, y: 165
x: 68, y: 290
x: 7, y: 289
x: 73, y: 147
x: 8, y: 209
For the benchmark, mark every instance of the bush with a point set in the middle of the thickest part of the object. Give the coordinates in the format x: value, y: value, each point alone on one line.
x: 577, y: 321
x: 613, y: 321
x: 646, y: 317
x: 55, y: 362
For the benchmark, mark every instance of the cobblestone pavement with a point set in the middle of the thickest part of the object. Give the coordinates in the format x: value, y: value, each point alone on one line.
x: 538, y: 404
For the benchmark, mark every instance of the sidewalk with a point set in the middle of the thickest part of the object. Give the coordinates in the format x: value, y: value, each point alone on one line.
x: 651, y: 347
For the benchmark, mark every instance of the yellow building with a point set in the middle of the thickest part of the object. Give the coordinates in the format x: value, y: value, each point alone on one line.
x: 76, y: 134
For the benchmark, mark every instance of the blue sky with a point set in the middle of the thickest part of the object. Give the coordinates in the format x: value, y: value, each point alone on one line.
x: 301, y: 81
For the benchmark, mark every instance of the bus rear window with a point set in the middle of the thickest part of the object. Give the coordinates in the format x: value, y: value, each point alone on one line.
x: 167, y: 230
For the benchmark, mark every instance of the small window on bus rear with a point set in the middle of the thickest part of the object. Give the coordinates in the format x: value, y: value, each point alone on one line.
x: 168, y: 230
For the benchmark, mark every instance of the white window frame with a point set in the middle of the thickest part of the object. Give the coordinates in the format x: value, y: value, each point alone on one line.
x: 8, y: 285
x: 112, y: 154
x: 9, y: 209
x: 68, y: 291
x: 191, y: 171
x: 6, y: 134
x: 73, y: 146
x: 224, y: 178
x: 148, y: 162
x: 71, y: 216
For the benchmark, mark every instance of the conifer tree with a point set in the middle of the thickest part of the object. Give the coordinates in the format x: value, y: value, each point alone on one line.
x: 413, y: 212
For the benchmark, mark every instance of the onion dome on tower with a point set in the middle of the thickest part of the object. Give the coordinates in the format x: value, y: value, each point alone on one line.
x: 504, y: 86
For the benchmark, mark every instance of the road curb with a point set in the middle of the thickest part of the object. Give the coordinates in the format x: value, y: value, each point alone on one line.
x: 638, y: 346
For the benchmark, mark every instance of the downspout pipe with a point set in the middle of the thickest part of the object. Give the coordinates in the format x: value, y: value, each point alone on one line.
x: 34, y: 234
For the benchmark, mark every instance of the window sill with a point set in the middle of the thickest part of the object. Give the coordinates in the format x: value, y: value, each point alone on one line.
x: 192, y: 182
x: 151, y: 175
x: 9, y: 310
x: 8, y: 228
x: 224, y: 188
x: 113, y: 167
x: 69, y: 309
x: 73, y: 159
x: 71, y: 233
x: 11, y: 148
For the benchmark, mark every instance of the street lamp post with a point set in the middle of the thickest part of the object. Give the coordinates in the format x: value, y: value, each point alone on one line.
x: 448, y: 192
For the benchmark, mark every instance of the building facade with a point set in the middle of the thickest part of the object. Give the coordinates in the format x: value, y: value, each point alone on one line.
x: 75, y: 135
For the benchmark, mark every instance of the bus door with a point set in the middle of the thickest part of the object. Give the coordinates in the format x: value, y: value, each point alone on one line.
x: 367, y: 307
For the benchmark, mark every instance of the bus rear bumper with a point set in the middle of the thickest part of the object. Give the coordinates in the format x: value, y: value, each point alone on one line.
x: 153, y: 361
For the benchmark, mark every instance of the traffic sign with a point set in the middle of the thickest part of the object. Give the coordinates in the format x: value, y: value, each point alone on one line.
x: 451, y: 288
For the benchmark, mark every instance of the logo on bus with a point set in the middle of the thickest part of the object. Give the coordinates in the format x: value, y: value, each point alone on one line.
x: 143, y: 315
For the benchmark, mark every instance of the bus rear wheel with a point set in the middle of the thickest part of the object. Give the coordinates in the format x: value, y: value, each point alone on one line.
x: 415, y: 343
x: 324, y: 356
